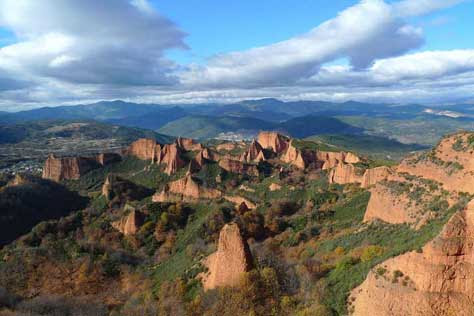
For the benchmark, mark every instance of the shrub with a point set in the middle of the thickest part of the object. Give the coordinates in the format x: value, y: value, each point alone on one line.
x: 371, y: 252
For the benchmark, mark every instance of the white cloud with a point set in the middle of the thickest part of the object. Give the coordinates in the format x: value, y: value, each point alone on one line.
x: 419, y: 7
x: 89, y: 41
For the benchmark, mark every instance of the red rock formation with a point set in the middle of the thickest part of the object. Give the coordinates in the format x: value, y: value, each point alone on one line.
x: 185, y: 188
x: 274, y: 187
x: 253, y: 154
x: 130, y: 224
x: 345, y: 173
x: 235, y: 166
x: 170, y: 156
x: 188, y: 144
x: 438, y: 281
x: 231, y: 260
x: 389, y: 207
x: 445, y: 164
x: 68, y: 168
x: 274, y: 141
x: 330, y: 159
x: 374, y: 175
x: 145, y: 149
x: 351, y: 158
x: 296, y: 157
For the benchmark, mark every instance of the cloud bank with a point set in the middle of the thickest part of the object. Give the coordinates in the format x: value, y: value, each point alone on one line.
x: 69, y: 51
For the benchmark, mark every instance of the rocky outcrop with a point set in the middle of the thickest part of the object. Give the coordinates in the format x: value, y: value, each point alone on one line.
x: 231, y: 260
x: 130, y: 224
x: 185, y: 188
x: 188, y: 144
x: 450, y: 163
x: 68, y: 168
x: 253, y: 154
x: 296, y: 157
x: 351, y: 158
x: 170, y: 156
x: 274, y: 187
x: 436, y: 281
x: 238, y: 200
x: 272, y: 140
x: 345, y: 173
x: 389, y: 207
x: 238, y: 167
x: 374, y: 175
x: 330, y: 159
x: 145, y: 149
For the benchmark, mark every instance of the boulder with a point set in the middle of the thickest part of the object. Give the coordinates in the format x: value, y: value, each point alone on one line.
x: 231, y: 260
x: 272, y: 140
x: 436, y: 281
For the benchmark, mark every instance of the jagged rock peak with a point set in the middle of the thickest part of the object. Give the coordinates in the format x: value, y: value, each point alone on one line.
x: 438, y: 280
x: 188, y: 144
x: 68, y: 168
x: 232, y: 259
x: 145, y: 149
x: 254, y: 153
x: 274, y: 141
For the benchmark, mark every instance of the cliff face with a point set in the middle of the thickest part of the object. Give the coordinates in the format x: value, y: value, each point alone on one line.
x: 389, y: 207
x: 170, y: 156
x: 188, y: 144
x: 345, y: 173
x: 274, y: 141
x: 145, y: 149
x: 253, y: 154
x: 68, y: 168
x: 295, y: 157
x: 437, y: 281
x: 375, y: 175
x: 185, y: 188
x: 230, y: 261
x: 450, y: 163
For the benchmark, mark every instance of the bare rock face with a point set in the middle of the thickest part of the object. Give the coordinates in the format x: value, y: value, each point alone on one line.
x: 295, y: 157
x: 389, y: 207
x: 188, y: 144
x: 274, y: 141
x: 274, y: 187
x: 253, y: 154
x: 450, y: 163
x: 374, y: 175
x: 185, y: 188
x: 130, y: 224
x: 438, y: 281
x: 345, y: 173
x: 330, y: 159
x: 68, y: 168
x: 230, y: 261
x: 170, y: 156
x: 351, y: 158
x: 238, y: 167
x: 145, y: 149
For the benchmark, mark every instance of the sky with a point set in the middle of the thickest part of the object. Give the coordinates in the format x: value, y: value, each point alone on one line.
x: 56, y: 52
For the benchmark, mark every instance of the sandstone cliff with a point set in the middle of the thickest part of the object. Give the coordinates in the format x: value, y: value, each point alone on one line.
x: 232, y: 258
x: 450, y: 163
x: 253, y: 154
x: 188, y: 144
x: 274, y: 141
x: 345, y: 173
x: 171, y: 157
x: 438, y: 281
x: 185, y: 188
x: 296, y: 157
x: 145, y: 149
x: 374, y: 175
x: 68, y: 168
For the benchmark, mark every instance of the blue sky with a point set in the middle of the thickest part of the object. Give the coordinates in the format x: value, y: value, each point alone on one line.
x: 392, y: 51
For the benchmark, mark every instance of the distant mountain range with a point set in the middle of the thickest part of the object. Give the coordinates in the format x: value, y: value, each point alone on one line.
x: 420, y: 124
